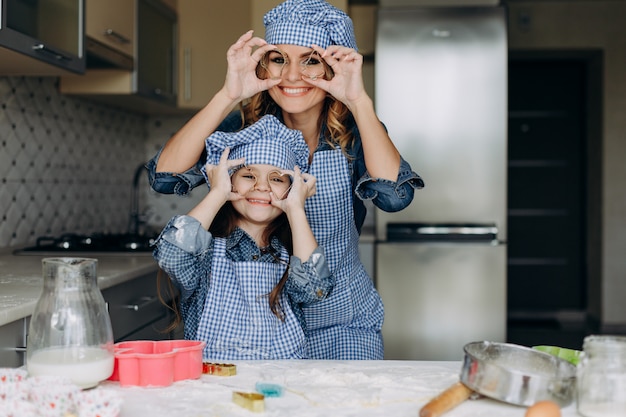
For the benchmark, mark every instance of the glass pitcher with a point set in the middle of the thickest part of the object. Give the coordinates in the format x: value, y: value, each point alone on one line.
x: 70, y: 330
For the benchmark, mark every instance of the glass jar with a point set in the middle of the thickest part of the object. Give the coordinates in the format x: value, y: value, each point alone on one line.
x: 70, y: 331
x: 601, y: 377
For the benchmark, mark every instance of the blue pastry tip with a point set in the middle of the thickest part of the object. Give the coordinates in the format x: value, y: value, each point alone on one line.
x: 268, y: 389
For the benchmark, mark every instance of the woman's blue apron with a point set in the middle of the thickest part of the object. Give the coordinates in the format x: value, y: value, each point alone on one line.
x: 237, y: 322
x: 347, y: 325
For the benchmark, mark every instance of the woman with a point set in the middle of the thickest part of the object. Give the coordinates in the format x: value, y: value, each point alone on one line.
x: 228, y: 257
x: 352, y: 156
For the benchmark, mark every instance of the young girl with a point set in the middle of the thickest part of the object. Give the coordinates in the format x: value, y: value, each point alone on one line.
x: 308, y: 73
x: 229, y: 257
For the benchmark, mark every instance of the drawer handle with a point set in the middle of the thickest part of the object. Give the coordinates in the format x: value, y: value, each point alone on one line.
x: 41, y: 48
x: 16, y: 349
x: 141, y: 303
x: 117, y: 36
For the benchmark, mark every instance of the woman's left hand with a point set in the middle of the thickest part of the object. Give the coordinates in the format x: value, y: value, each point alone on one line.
x: 347, y: 64
x: 302, y: 187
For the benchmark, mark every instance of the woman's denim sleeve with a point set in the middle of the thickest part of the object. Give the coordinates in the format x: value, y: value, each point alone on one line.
x: 390, y: 196
x: 183, y: 183
x: 174, y: 183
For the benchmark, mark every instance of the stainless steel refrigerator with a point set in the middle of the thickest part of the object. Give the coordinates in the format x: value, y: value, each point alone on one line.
x: 441, y: 90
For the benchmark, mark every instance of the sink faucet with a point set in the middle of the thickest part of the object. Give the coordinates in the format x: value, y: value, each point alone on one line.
x: 135, y: 218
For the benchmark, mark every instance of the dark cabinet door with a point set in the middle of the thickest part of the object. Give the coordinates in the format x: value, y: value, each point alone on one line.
x: 50, y: 31
x: 546, y: 190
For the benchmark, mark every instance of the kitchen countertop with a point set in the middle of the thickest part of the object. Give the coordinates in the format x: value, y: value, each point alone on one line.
x: 315, y: 388
x: 21, y: 278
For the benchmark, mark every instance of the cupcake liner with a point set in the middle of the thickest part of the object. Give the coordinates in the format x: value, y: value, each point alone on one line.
x: 17, y: 408
x: 12, y: 375
x: 13, y: 384
x: 98, y: 403
x: 53, y: 396
x: 54, y: 400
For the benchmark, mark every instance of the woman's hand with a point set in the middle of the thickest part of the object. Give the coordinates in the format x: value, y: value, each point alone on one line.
x: 241, y: 80
x: 302, y: 187
x: 347, y: 84
x: 219, y: 177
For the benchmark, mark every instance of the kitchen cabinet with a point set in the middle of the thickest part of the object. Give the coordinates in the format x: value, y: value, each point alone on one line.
x: 136, y: 311
x: 206, y: 31
x: 150, y: 87
x: 110, y: 33
x: 13, y: 343
x: 42, y: 37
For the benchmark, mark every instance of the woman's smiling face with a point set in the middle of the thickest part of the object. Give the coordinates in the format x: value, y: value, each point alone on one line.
x: 295, y: 64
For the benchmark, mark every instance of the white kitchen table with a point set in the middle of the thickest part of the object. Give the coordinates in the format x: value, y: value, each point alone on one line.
x: 315, y: 388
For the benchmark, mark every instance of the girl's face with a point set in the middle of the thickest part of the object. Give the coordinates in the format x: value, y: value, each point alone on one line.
x: 293, y: 65
x: 254, y: 183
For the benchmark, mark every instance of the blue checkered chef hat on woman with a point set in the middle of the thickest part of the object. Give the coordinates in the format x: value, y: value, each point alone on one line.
x: 267, y: 141
x: 307, y: 22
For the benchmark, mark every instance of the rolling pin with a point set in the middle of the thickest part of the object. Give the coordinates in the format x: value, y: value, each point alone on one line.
x: 445, y: 401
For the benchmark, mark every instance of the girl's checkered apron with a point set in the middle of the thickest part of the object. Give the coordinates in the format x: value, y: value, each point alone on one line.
x: 237, y: 322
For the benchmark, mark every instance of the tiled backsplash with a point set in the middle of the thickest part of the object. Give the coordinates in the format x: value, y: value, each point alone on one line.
x: 159, y: 208
x: 66, y: 165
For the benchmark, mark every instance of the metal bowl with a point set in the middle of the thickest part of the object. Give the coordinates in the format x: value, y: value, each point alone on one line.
x: 517, y: 374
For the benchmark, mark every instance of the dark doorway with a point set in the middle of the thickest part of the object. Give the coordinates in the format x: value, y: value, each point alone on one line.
x: 548, y: 197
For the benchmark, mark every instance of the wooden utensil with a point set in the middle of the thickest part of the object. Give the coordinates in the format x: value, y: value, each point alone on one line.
x: 447, y: 400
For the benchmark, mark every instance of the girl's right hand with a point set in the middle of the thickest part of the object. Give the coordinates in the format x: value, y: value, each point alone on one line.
x: 241, y: 80
x: 219, y: 177
x: 303, y: 186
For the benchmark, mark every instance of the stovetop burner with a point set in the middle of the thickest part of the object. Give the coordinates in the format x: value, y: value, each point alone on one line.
x: 97, y: 242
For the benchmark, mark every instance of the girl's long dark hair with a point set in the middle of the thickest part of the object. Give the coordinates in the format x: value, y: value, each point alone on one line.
x: 222, y: 226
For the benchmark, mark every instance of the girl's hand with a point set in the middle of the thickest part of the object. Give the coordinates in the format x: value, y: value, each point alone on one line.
x: 302, y: 187
x: 219, y: 177
x: 241, y: 80
x: 347, y: 84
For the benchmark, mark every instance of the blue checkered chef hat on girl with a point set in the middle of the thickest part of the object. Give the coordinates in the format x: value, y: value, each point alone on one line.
x: 307, y: 22
x: 267, y: 141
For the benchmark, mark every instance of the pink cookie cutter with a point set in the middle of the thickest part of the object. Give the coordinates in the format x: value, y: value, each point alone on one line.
x: 157, y: 363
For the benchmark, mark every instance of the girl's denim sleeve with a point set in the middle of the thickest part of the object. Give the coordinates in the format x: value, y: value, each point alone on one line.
x: 173, y: 183
x: 183, y: 251
x: 388, y: 195
x: 309, y: 281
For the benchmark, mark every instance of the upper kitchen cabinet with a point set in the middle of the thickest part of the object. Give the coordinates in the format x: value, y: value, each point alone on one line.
x: 206, y: 31
x: 42, y: 37
x: 150, y: 87
x: 110, y: 33
x: 175, y: 72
